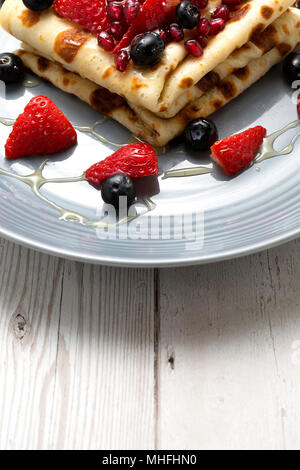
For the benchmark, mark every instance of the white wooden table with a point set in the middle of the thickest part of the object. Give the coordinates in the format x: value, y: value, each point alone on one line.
x: 204, y: 357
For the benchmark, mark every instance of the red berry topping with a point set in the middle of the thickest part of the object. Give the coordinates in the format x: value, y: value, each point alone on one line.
x: 194, y: 48
x: 115, y: 11
x: 203, y: 27
x: 203, y: 41
x: 91, y: 14
x: 201, y: 3
x: 231, y: 3
x: 122, y: 59
x: 131, y: 10
x: 222, y: 12
x: 176, y: 32
x: 105, y: 40
x: 135, y: 160
x: 216, y: 26
x: 164, y: 35
x: 235, y: 153
x: 298, y: 106
x: 117, y: 30
x: 42, y: 129
x: 154, y: 14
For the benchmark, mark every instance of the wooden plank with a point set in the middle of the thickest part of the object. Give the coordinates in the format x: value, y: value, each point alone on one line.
x: 229, y: 354
x: 30, y: 291
x: 76, y: 354
x: 104, y: 389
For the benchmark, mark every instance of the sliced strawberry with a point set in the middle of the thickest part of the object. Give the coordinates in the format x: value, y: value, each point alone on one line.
x: 42, y: 129
x: 298, y: 106
x: 235, y: 153
x: 135, y: 160
x: 154, y: 14
x: 90, y: 14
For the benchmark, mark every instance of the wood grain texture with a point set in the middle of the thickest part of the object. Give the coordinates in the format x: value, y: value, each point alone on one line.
x: 76, y: 354
x: 104, y: 358
x: 227, y: 379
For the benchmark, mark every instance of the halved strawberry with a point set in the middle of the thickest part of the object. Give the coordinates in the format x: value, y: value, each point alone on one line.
x: 235, y: 153
x: 90, y: 14
x: 135, y: 160
x: 154, y: 14
x: 42, y: 129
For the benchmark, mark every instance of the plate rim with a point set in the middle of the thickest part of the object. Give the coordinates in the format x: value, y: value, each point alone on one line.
x: 129, y: 263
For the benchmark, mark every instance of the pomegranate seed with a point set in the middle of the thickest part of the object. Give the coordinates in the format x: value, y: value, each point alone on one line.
x: 232, y: 3
x: 201, y: 3
x: 203, y: 41
x: 131, y: 10
x: 194, y: 48
x: 163, y: 34
x: 176, y: 32
x: 122, y: 59
x: 106, y: 41
x: 115, y: 11
x: 221, y: 12
x: 203, y: 27
x: 117, y: 30
x: 216, y: 26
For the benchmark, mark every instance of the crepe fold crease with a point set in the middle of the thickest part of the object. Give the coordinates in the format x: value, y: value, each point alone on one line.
x: 156, y: 104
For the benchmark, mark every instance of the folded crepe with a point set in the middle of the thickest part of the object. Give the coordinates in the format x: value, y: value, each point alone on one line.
x: 157, y: 103
x: 156, y: 89
x: 228, y: 80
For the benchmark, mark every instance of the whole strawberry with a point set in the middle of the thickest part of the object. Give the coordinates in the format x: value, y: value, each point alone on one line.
x: 134, y: 160
x: 42, y: 129
x: 235, y: 153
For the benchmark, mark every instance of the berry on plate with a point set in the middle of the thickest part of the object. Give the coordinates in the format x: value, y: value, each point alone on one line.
x: 134, y: 160
x: 90, y: 14
x: 235, y: 153
x: 117, y: 186
x: 291, y: 68
x: 200, y: 134
x: 11, y: 68
x: 42, y: 129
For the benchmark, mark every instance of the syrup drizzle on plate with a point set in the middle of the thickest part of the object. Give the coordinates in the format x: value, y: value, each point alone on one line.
x: 36, y: 180
x: 266, y: 151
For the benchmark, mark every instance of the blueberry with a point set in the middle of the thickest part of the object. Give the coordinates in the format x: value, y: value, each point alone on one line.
x: 200, y: 134
x: 146, y: 49
x: 11, y: 68
x: 187, y: 14
x: 291, y: 68
x: 38, y: 5
x: 115, y: 186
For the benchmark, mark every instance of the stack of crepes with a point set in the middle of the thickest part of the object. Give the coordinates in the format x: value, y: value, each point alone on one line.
x: 157, y: 103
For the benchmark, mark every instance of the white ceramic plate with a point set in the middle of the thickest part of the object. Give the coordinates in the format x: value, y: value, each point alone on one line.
x: 196, y: 220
